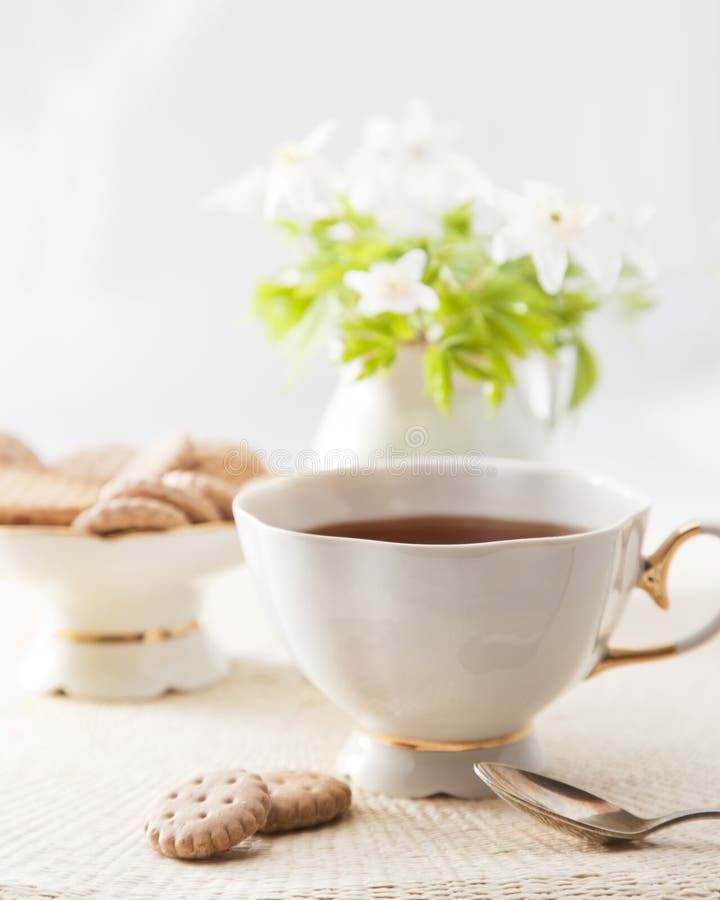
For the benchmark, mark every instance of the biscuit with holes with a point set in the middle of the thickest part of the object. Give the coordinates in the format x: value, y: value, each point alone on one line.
x: 196, y: 506
x: 233, y: 463
x: 302, y: 799
x: 208, y: 814
x: 13, y: 452
x: 98, y: 464
x: 174, y: 451
x: 42, y: 497
x: 129, y: 514
x: 219, y: 492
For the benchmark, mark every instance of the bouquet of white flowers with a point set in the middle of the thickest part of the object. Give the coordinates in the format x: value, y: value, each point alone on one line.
x: 410, y: 243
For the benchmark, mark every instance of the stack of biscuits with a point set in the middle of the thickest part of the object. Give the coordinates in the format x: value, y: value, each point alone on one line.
x: 111, y: 489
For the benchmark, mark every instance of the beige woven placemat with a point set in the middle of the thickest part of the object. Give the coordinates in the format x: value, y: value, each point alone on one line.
x: 76, y: 778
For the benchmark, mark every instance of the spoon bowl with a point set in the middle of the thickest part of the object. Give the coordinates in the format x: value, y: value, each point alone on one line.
x: 573, y: 810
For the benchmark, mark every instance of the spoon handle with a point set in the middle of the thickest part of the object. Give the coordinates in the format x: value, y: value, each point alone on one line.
x: 686, y: 816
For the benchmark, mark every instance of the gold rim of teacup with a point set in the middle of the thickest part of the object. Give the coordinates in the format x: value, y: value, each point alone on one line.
x: 425, y: 746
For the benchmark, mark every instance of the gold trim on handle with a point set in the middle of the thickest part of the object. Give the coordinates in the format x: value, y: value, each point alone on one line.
x: 152, y: 636
x: 653, y: 580
x: 619, y: 656
x: 450, y: 746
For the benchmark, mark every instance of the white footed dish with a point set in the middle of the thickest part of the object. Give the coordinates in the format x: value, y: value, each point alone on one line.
x: 120, y: 611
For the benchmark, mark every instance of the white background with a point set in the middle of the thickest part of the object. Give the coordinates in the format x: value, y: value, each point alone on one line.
x: 124, y: 304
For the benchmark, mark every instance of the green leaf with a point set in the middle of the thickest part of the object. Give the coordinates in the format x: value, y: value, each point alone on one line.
x: 472, y: 369
x: 350, y: 215
x: 292, y: 229
x: 633, y: 302
x: 459, y: 221
x: 315, y: 327
x: 586, y: 373
x: 438, y: 381
x: 280, y: 306
x: 508, y: 332
x: 376, y: 362
x: 495, y: 393
x: 354, y: 348
x: 503, y: 371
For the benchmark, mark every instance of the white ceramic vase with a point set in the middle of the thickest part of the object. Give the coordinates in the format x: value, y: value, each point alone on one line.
x: 390, y: 414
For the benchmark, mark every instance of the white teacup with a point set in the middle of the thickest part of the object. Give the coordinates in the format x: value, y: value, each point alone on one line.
x: 443, y: 654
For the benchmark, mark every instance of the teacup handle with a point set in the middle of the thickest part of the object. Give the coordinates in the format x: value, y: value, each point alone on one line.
x: 653, y: 580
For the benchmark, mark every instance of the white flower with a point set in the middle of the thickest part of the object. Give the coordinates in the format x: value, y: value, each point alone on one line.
x: 299, y: 184
x: 241, y: 195
x: 407, y: 175
x: 290, y: 277
x: 341, y: 231
x: 434, y: 332
x: 415, y: 136
x: 617, y: 239
x: 394, y: 287
x: 544, y: 225
x: 635, y: 245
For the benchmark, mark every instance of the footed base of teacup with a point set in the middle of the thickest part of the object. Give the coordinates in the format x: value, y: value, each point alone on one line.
x: 122, y: 669
x: 380, y: 767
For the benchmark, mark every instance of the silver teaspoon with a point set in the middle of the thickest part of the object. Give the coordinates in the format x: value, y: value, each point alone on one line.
x: 572, y: 810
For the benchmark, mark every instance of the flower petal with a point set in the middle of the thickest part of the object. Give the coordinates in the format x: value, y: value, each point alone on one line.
x: 341, y: 231
x: 356, y: 280
x: 483, y: 189
x: 639, y: 254
x: 597, y: 251
x: 418, y: 120
x: 242, y: 195
x: 275, y: 194
x: 371, y: 304
x: 587, y: 215
x: 551, y: 260
x: 425, y: 297
x: 378, y: 134
x: 637, y: 248
x: 639, y: 217
x: 317, y: 138
x: 543, y: 191
x: 509, y: 204
x: 379, y: 267
x: 413, y: 263
x: 509, y: 242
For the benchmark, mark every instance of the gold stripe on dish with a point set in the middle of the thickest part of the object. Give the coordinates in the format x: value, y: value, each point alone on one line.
x: 152, y: 636
x: 449, y: 746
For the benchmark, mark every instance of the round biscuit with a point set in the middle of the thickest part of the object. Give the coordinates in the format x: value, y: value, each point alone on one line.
x: 97, y: 464
x: 232, y: 463
x: 196, y: 506
x: 174, y: 451
x: 129, y: 514
x: 303, y: 799
x: 13, y: 452
x: 219, y: 492
x: 208, y: 814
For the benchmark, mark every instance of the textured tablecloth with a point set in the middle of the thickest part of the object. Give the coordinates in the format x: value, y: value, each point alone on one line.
x: 76, y: 778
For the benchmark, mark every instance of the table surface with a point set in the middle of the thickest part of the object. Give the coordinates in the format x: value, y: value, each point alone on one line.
x: 76, y: 778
